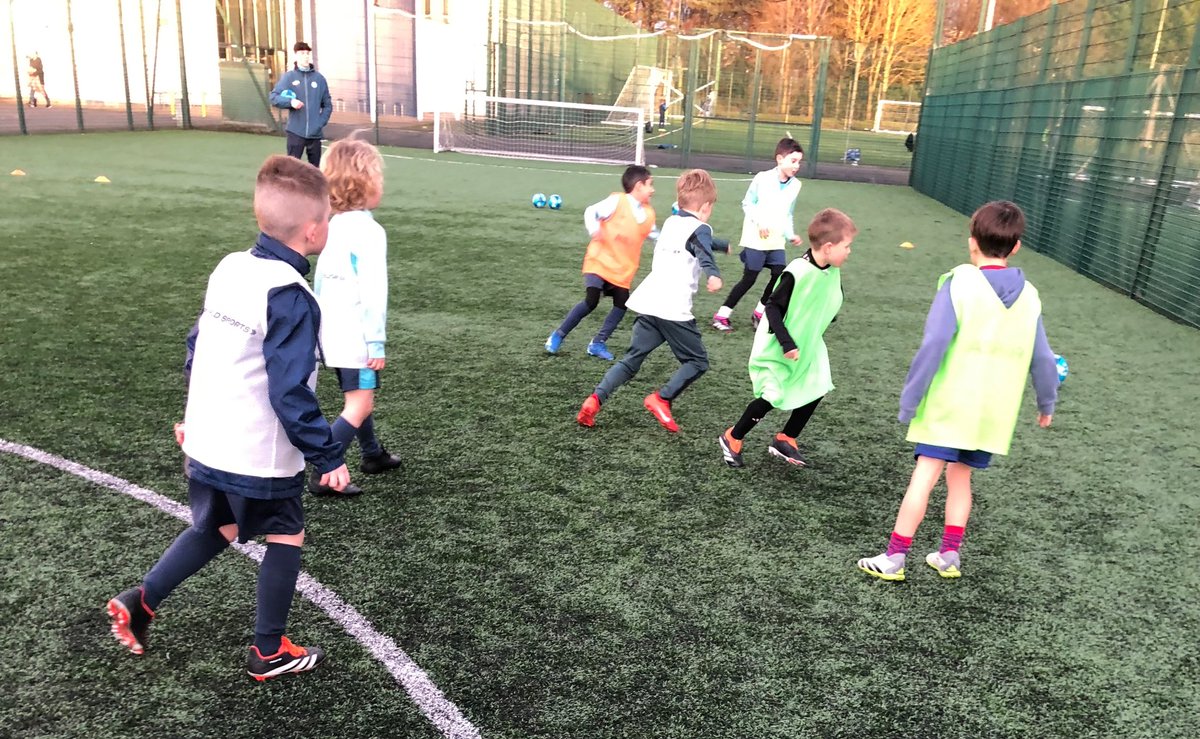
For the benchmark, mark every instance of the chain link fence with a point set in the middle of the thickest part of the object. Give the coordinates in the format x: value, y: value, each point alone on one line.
x: 710, y: 93
x: 1088, y: 116
x: 716, y: 97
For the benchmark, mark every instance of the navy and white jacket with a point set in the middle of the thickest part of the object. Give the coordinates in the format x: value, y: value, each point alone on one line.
x: 309, y: 87
x: 252, y: 417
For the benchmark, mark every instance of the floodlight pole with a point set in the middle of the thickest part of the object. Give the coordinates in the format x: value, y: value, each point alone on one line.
x: 146, y: 65
x: 12, y: 35
x: 716, y: 91
x: 689, y: 102
x: 939, y: 25
x: 74, y: 68
x: 370, y: 51
x: 562, y: 53
x: 987, y: 16
x: 185, y: 103
x: 124, y: 62
x: 757, y: 87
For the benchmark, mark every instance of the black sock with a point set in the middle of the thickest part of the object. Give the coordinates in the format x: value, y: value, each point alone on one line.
x: 799, y: 418
x: 190, y: 551
x: 740, y: 289
x: 755, y: 412
x: 368, y: 442
x: 343, y: 432
x: 276, y: 586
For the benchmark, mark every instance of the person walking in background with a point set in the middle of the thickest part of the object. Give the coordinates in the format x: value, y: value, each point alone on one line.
x: 304, y: 93
x: 37, y: 80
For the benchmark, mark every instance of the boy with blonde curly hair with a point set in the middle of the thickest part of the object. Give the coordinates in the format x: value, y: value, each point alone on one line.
x: 351, y: 283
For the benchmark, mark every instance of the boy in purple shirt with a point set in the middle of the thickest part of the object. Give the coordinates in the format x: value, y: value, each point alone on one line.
x: 983, y: 334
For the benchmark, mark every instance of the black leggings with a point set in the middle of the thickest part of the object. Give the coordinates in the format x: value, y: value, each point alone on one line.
x: 619, y: 296
x: 747, y: 281
x: 759, y: 408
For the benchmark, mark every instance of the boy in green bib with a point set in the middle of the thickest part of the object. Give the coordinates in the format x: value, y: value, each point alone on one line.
x: 789, y: 365
x: 983, y: 334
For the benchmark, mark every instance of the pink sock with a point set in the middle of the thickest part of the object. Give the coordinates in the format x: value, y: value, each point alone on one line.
x: 952, y: 537
x: 899, y: 544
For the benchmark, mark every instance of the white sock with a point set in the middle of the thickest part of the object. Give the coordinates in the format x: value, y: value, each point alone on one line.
x: 724, y: 311
x: 758, y: 309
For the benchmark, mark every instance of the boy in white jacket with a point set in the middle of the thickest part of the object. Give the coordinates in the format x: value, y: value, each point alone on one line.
x: 352, y: 288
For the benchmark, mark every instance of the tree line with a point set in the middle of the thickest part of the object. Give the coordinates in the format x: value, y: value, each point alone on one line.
x: 880, y: 45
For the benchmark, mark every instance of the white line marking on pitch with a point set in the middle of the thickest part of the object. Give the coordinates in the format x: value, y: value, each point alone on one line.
x: 433, y: 703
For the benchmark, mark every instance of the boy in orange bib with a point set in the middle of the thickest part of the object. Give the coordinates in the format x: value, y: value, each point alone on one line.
x: 618, y: 225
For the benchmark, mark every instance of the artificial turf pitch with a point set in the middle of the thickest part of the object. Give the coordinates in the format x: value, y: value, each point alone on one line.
x: 556, y: 581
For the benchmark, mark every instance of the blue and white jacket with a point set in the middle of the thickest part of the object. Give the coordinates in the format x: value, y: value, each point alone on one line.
x: 309, y: 87
x: 351, y: 283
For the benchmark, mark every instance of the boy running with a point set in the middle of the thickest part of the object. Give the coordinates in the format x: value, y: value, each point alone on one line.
x: 789, y: 364
x: 252, y: 419
x: 618, y: 225
x: 664, y: 303
x: 769, y: 208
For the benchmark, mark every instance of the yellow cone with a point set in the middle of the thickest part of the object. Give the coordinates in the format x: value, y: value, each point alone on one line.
x: 907, y: 245
x: 102, y: 178
x: 17, y: 173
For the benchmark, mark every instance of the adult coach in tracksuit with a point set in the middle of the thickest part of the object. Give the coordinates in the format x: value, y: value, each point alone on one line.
x: 304, y: 92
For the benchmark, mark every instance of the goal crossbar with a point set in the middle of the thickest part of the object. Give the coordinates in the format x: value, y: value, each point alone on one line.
x: 542, y: 129
x: 883, y: 123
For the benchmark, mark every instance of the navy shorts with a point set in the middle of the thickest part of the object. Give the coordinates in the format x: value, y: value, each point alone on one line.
x: 978, y: 460
x: 213, y: 508
x: 596, y: 281
x: 357, y: 378
x: 756, y: 259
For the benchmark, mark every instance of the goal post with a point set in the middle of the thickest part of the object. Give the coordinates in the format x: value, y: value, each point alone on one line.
x: 644, y: 87
x: 542, y: 129
x: 896, y: 116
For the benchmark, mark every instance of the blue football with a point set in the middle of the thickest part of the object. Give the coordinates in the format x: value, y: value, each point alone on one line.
x: 555, y: 202
x: 1061, y: 362
x: 539, y: 200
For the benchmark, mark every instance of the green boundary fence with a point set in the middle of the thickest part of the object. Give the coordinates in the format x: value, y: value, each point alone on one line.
x: 1088, y: 116
x: 390, y: 64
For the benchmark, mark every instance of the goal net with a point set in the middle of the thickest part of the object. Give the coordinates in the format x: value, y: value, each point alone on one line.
x: 896, y: 116
x: 542, y: 129
x: 645, y: 87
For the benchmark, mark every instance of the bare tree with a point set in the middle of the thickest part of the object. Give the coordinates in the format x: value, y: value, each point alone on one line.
x: 900, y: 25
x: 859, y: 22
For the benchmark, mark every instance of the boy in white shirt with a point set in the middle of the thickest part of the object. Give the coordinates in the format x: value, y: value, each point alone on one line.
x: 769, y: 208
x: 664, y: 303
